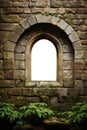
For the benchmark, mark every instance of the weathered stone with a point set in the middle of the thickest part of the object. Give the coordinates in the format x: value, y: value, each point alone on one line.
x: 14, y: 91
x: 79, y: 54
x: 74, y: 37
x: 11, y: 18
x: 32, y: 20
x: 19, y: 30
x: 69, y: 30
x: 8, y: 74
x: 8, y: 56
x: 1, y: 64
x: 67, y: 48
x: 9, y: 46
x: 19, y: 65
x: 41, y: 19
x: 8, y: 64
x: 27, y: 11
x: 25, y: 24
x: 54, y: 20
x: 6, y: 83
x: 67, y: 74
x: 19, y: 74
x: 14, y: 37
x: 20, y: 56
x: 68, y: 65
x: 20, y: 49
x: 68, y: 56
x: 62, y: 24
x: 41, y: 3
x: 55, y: 3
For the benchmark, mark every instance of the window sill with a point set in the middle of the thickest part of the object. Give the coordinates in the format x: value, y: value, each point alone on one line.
x: 43, y: 84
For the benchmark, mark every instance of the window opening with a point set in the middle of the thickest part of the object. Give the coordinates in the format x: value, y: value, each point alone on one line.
x: 43, y: 61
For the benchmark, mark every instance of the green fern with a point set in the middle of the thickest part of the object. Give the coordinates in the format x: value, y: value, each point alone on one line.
x: 36, y: 112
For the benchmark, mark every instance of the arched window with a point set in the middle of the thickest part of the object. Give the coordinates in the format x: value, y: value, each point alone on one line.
x: 43, y: 61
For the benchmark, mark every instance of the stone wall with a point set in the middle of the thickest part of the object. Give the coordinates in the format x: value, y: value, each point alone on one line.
x: 16, y: 17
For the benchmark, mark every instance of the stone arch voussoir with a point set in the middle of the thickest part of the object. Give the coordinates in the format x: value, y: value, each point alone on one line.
x: 60, y: 23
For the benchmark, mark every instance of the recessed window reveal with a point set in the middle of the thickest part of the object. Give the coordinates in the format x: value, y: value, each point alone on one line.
x: 43, y: 61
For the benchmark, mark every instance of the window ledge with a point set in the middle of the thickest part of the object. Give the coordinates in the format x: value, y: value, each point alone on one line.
x: 43, y: 84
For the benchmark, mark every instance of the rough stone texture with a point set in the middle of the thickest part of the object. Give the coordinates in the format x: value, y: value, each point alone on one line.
x: 17, y: 18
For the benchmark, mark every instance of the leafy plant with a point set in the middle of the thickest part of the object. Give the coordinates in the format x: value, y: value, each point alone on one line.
x: 9, y: 112
x: 8, y: 116
x: 77, y: 114
x: 36, y: 112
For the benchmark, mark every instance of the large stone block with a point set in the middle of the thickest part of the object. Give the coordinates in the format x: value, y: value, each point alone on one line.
x: 6, y: 83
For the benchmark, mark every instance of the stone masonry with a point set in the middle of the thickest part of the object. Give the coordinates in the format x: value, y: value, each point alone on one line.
x: 20, y: 22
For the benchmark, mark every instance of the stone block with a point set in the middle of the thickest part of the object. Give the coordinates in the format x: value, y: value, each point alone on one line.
x: 19, y: 82
x: 69, y: 30
x: 1, y: 64
x: 20, y: 56
x: 74, y: 37
x: 19, y: 74
x: 20, y: 49
x: 73, y: 91
x: 32, y: 20
x: 62, y: 24
x: 67, y: 65
x: 14, y: 91
x: 25, y: 24
x: 67, y: 74
x: 54, y: 20
x: 19, y: 29
x: 14, y: 37
x: 19, y: 65
x: 67, y: 48
x: 27, y: 10
x: 41, y: 3
x: 8, y: 56
x: 6, y: 83
x: 62, y: 91
x: 9, y: 46
x: 55, y: 3
x: 8, y: 64
x: 79, y: 54
x: 43, y: 18
x: 67, y: 56
x: 11, y: 18
x: 8, y: 74
x: 77, y: 45
x: 7, y: 26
